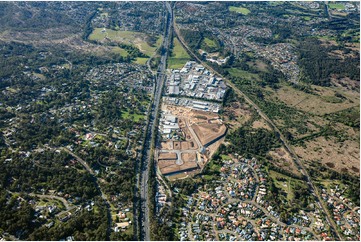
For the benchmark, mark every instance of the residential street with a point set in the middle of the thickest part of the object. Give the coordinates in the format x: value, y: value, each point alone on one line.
x: 296, y: 160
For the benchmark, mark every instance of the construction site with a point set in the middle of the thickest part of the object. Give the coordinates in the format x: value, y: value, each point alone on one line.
x: 189, y: 137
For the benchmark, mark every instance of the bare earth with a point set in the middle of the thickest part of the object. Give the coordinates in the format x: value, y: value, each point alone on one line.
x: 208, y: 132
x: 206, y: 126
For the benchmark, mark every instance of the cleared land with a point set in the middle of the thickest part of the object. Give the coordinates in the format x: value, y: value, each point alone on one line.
x: 283, y: 159
x: 236, y: 114
x: 169, y: 166
x: 241, y: 10
x: 120, y: 51
x: 167, y: 156
x: 179, y: 56
x: 210, y: 43
x: 339, y: 156
x: 240, y: 73
x: 336, y: 6
x: 324, y: 100
x: 260, y: 124
x: 190, y: 159
x: 127, y: 37
x: 208, y: 132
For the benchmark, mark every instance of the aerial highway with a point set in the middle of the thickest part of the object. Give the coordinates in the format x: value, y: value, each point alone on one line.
x: 143, y: 225
x: 296, y: 160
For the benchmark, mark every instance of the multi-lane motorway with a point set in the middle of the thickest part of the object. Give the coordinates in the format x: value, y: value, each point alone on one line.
x: 143, y: 225
x: 143, y: 211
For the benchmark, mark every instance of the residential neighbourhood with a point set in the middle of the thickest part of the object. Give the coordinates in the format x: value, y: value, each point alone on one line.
x: 180, y: 121
x: 235, y: 208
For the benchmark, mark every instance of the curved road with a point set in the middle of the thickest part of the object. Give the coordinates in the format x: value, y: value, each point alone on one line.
x: 296, y: 160
x: 104, y: 197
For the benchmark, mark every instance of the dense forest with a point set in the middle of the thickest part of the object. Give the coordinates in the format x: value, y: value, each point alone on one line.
x: 252, y: 142
x: 43, y: 109
x: 319, y: 66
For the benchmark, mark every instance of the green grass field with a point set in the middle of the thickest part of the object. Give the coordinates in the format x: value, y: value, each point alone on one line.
x: 276, y: 3
x: 241, y: 10
x: 141, y: 60
x: 211, y: 43
x: 127, y: 37
x: 225, y: 157
x: 147, y: 49
x: 120, y: 51
x: 135, y: 117
x: 284, y: 185
x: 175, y: 63
x: 178, y: 51
x: 240, y: 73
x: 179, y: 56
x: 338, y: 6
x: 38, y: 75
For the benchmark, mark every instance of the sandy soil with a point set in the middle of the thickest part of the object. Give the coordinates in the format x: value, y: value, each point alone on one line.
x: 185, y: 145
x: 166, y: 145
x: 167, y: 156
x: 189, y: 157
x: 208, y: 132
x: 208, y: 127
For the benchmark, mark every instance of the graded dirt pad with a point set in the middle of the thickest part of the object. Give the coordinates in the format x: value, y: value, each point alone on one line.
x: 187, y: 134
x: 189, y: 157
x: 184, y: 145
x: 208, y: 132
x: 342, y: 157
x: 188, y: 145
x: 166, y: 145
x: 169, y: 166
x: 167, y: 156
x: 203, y: 115
x: 176, y: 145
x: 192, y: 145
